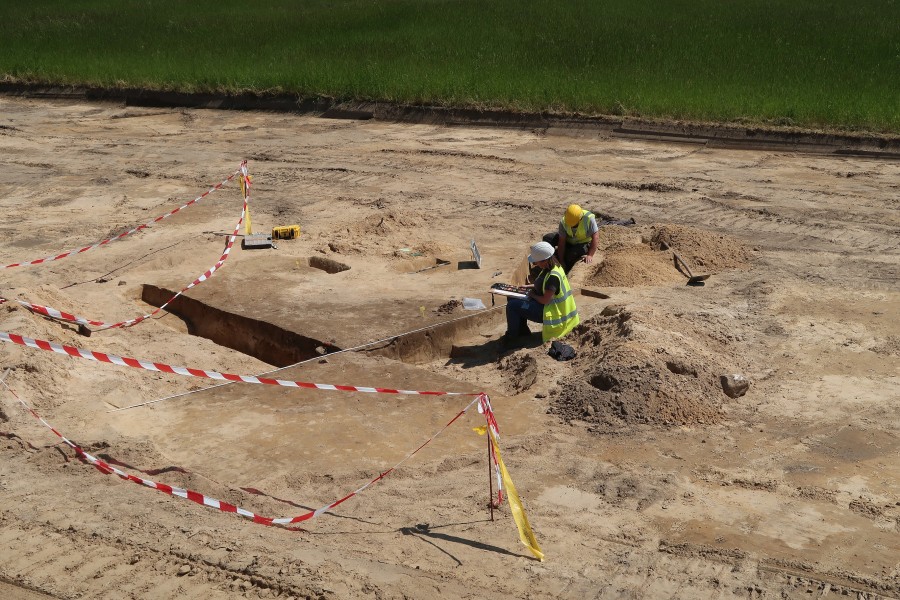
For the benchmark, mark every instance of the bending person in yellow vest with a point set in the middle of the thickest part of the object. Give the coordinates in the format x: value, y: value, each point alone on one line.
x: 577, y: 237
x: 550, y: 302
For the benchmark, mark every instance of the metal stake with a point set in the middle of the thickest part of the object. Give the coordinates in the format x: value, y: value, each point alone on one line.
x: 490, y: 478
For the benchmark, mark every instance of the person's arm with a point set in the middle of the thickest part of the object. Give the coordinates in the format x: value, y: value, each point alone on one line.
x: 549, y: 292
x: 561, y: 246
x: 589, y: 257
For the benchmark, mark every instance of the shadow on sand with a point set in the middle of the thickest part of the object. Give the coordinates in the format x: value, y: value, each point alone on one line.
x: 477, y: 355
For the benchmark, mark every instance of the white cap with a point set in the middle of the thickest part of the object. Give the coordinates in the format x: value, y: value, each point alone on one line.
x: 540, y: 251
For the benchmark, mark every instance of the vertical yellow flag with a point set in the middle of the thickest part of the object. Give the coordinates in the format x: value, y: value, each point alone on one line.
x: 245, y: 192
x: 526, y: 535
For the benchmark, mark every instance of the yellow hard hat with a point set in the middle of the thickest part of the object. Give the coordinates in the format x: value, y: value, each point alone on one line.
x: 573, y: 215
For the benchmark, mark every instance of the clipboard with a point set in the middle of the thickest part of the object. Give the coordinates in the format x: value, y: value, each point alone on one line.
x: 512, y: 291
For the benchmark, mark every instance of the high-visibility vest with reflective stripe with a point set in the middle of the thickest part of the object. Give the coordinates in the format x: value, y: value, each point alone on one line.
x: 580, y: 234
x: 560, y: 314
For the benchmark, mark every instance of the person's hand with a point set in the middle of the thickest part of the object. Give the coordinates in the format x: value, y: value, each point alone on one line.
x: 587, y: 259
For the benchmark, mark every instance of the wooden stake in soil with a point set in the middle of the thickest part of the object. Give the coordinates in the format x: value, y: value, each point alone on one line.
x: 490, y: 478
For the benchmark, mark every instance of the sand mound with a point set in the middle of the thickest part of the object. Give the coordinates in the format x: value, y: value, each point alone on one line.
x: 519, y: 372
x: 627, y: 382
x: 712, y: 251
x: 448, y: 307
x: 394, y: 234
x: 626, y: 265
x: 630, y: 260
x: 889, y: 346
x: 43, y: 372
x: 387, y: 222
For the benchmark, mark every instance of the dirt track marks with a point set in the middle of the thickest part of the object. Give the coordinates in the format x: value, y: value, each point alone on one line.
x: 93, y: 557
x: 98, y: 566
x: 728, y: 211
x: 792, y: 577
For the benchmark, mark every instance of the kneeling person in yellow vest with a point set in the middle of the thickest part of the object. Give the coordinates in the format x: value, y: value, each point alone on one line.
x: 577, y: 237
x: 550, y: 302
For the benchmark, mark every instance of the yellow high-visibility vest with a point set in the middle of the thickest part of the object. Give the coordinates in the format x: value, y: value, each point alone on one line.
x: 560, y: 314
x: 580, y: 234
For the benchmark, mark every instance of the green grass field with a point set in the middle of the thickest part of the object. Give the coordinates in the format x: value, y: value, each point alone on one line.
x: 817, y: 63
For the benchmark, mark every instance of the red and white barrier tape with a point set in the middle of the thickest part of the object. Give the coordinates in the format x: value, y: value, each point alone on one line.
x: 164, y: 368
x: 246, y: 180
x: 199, y: 498
x: 101, y: 326
x: 485, y: 408
x: 130, y: 231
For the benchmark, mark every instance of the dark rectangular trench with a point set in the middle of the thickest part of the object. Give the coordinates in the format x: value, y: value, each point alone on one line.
x: 281, y: 347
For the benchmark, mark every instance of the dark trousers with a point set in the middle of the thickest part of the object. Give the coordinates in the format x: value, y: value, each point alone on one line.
x: 518, y: 312
x: 573, y: 252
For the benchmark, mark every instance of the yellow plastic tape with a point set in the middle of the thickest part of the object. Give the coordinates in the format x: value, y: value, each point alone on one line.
x: 248, y: 229
x: 526, y: 535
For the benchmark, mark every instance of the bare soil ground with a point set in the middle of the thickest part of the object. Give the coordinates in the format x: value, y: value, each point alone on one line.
x: 642, y: 479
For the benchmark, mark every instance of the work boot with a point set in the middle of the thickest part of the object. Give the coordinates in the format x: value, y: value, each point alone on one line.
x: 509, y: 342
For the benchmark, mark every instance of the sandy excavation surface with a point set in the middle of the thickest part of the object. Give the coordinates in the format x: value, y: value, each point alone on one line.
x: 641, y: 477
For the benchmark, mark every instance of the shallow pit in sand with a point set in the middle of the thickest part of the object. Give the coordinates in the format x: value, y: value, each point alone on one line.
x: 280, y: 346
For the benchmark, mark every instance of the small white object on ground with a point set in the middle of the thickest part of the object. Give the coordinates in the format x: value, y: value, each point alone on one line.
x: 473, y: 304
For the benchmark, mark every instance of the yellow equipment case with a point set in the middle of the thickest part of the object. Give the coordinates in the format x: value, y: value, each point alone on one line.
x: 286, y: 232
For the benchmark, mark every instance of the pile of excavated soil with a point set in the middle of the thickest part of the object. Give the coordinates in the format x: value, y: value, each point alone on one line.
x: 713, y: 252
x: 625, y: 382
x: 387, y: 222
x: 631, y: 260
x: 448, y: 307
x: 626, y: 265
x: 39, y: 371
x: 889, y: 346
x: 398, y: 236
x: 383, y: 228
x: 519, y: 371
